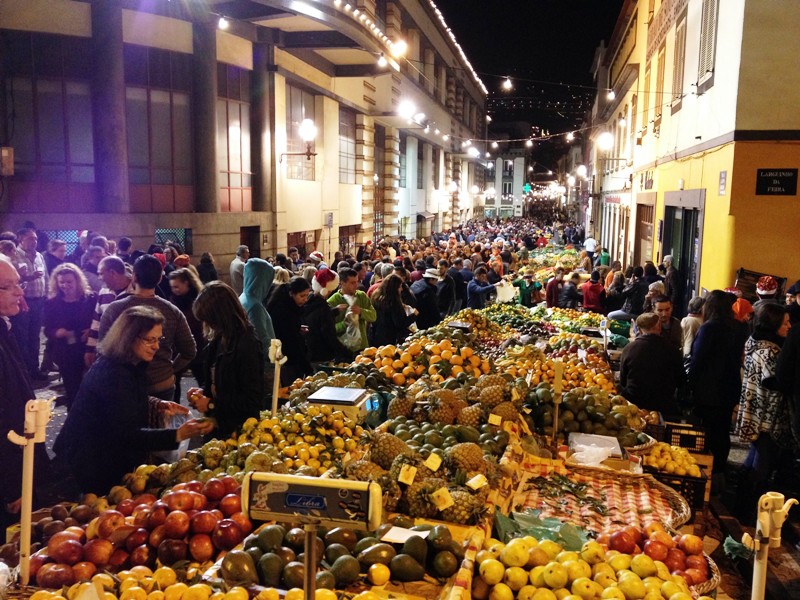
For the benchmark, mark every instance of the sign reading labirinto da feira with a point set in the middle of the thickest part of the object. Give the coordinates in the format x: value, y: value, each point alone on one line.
x: 776, y: 182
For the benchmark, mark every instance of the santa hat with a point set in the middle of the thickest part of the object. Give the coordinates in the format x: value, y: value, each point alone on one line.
x: 767, y: 286
x: 316, y: 256
x: 161, y: 258
x: 325, y: 282
x: 735, y: 291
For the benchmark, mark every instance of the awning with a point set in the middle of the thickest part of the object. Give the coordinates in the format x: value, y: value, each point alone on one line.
x: 425, y: 215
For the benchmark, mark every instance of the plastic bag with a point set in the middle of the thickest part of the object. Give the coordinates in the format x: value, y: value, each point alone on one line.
x: 351, y: 338
x: 172, y: 422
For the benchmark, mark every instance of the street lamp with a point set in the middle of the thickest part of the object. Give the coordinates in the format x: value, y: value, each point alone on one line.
x: 308, y: 132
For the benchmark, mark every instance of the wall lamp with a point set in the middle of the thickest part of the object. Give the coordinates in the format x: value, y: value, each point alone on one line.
x: 308, y: 131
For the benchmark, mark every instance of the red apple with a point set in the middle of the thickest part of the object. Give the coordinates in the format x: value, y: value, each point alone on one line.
x: 214, y: 489
x: 697, y: 576
x: 119, y: 535
x: 68, y: 552
x: 676, y: 560
x: 158, y: 514
x: 177, y: 525
x: 58, y: 539
x: 231, y: 503
x: 141, y: 513
x: 227, y: 534
x: 84, y: 571
x: 98, y: 551
x: 108, y: 522
x: 39, y: 558
x: 136, y: 539
x: 180, y: 500
x: 126, y: 506
x: 656, y: 550
x: 172, y: 551
x: 697, y: 561
x: 622, y: 542
x: 691, y: 544
x: 199, y: 499
x: 143, y: 555
x: 230, y: 483
x: 635, y: 533
x: 218, y: 513
x: 78, y: 531
x: 193, y: 486
x: 201, y: 547
x: 157, y: 536
x: 120, y: 559
x: 687, y: 578
x: 603, y: 539
x: 203, y: 521
x: 145, y: 499
x: 55, y: 575
x: 242, y: 521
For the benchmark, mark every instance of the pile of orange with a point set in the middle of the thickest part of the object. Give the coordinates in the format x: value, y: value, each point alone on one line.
x: 576, y: 375
x: 439, y: 359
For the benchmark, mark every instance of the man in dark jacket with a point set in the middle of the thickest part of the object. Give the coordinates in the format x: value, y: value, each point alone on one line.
x: 478, y: 289
x: 553, y: 288
x: 634, y: 295
x: 570, y: 296
x: 670, y: 326
x: 673, y: 287
x: 445, y: 290
x: 461, y: 285
x: 425, y: 293
x: 650, y: 368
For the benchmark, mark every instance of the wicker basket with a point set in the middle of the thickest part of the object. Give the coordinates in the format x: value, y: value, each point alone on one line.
x: 705, y: 588
x: 642, y: 448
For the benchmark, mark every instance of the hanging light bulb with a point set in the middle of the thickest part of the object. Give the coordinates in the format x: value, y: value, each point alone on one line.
x: 570, y: 136
x: 622, y: 122
x: 495, y: 144
x: 529, y: 143
x: 507, y: 85
x: 223, y: 23
x: 382, y: 62
x: 610, y: 95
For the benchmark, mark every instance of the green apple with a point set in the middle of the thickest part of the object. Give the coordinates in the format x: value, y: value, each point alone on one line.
x: 555, y: 575
x: 583, y: 587
x: 633, y: 588
x: 643, y: 566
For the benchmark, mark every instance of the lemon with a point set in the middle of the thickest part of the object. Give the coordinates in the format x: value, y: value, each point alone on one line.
x: 378, y: 574
x: 295, y: 594
x: 324, y: 594
x: 492, y: 571
x: 175, y: 591
x: 164, y: 577
x: 237, y: 593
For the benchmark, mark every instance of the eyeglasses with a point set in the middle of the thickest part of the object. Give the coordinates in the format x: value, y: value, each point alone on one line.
x: 12, y: 286
x: 153, y: 341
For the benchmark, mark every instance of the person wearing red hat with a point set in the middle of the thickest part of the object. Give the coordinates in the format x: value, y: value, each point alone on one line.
x: 318, y: 316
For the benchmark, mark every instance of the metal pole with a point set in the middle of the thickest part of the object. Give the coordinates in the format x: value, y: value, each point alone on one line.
x: 310, y: 569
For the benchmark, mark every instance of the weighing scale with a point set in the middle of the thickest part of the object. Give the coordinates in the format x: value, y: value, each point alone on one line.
x: 354, y: 402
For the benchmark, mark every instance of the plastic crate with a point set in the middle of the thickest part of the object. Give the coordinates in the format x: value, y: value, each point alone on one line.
x: 657, y: 431
x: 693, y: 489
x: 686, y: 436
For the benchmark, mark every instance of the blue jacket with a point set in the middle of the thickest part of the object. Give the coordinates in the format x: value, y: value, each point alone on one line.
x: 477, y: 292
x: 258, y: 276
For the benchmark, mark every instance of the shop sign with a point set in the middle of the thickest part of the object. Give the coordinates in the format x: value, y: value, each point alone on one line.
x: 723, y: 182
x: 776, y: 182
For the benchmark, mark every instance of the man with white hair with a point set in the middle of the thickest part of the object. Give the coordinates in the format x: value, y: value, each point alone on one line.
x: 673, y: 286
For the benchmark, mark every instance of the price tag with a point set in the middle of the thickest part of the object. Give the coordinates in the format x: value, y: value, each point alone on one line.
x: 508, y: 426
x: 515, y: 395
x: 407, y: 474
x: 495, y: 419
x: 442, y: 498
x: 478, y: 481
x: 434, y: 462
x: 558, y: 383
x: 529, y: 378
x: 527, y: 410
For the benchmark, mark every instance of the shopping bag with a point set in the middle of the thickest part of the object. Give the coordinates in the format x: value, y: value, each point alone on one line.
x: 172, y: 422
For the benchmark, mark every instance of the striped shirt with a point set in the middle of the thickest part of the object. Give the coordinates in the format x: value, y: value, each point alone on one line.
x: 104, y: 298
x: 34, y: 288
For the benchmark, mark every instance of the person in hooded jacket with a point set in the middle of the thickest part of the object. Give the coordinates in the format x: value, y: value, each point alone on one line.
x: 322, y: 342
x: 425, y: 292
x: 258, y: 276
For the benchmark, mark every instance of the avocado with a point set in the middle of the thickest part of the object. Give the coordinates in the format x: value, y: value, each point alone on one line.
x: 342, y: 535
x: 269, y: 569
x: 457, y: 549
x: 405, y: 568
x: 334, y: 551
x: 238, y: 567
x: 295, y: 538
x: 466, y: 433
x: 445, y: 563
x: 363, y: 544
x: 271, y: 537
x: 440, y: 537
x: 294, y: 575
x: 403, y: 521
x: 325, y: 579
x: 383, y: 530
x: 346, y: 570
x: 417, y: 548
x: 422, y: 527
x: 378, y: 553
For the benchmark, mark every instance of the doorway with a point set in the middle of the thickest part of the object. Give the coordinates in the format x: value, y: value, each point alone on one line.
x: 251, y: 237
x: 682, y: 242
x: 645, y: 219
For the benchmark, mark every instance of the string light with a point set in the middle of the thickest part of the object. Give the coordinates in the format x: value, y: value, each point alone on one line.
x: 610, y: 95
x: 507, y: 85
x: 382, y: 62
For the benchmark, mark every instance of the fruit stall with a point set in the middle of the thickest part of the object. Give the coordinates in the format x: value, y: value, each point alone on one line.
x: 480, y: 434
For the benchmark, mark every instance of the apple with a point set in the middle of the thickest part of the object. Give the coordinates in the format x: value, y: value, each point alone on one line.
x: 691, y: 544
x: 201, y: 547
x: 126, y: 506
x: 39, y: 558
x: 214, y: 489
x: 193, y: 486
x: 157, y: 536
x: 218, y: 513
x: 158, y: 514
x: 141, y: 513
x: 656, y: 550
x: 230, y: 483
x: 603, y: 539
x: 84, y: 570
x: 145, y: 499
x: 55, y: 575
x: 203, y: 521
x: 59, y: 538
x: 243, y: 522
x: 230, y: 503
x: 98, y: 551
x: 635, y: 533
x: 119, y: 559
x: 108, y: 522
x: 68, y: 552
x: 180, y: 500
x: 172, y: 551
x: 697, y: 575
x: 622, y: 542
x: 136, y: 538
x: 143, y: 555
x: 651, y: 527
x: 177, y: 525
x: 697, y: 561
x: 663, y: 537
x: 78, y: 531
x: 227, y: 534
x: 687, y: 578
x: 676, y: 560
x: 199, y: 499
x: 118, y: 536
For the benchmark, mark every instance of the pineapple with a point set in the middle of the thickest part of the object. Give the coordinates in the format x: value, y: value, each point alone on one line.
x: 471, y: 415
x: 423, y: 472
x: 384, y: 447
x: 466, y: 507
x: 492, y: 396
x: 400, y: 406
x: 490, y: 380
x: 466, y: 456
x: 440, y: 410
x: 391, y: 493
x: 418, y: 502
x: 363, y: 470
x: 507, y: 411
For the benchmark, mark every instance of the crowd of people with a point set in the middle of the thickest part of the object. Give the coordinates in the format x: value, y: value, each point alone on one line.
x: 122, y: 326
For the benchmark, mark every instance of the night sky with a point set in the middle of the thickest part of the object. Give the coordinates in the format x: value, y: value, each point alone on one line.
x: 540, y: 44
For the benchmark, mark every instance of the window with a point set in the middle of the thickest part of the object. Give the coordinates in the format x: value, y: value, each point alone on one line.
x: 646, y: 107
x: 347, y: 146
x: 708, y: 45
x: 233, y: 138
x: 299, y: 106
x: 403, y: 160
x: 658, y: 101
x: 508, y: 188
x: 437, y: 78
x: 180, y: 236
x: 420, y: 165
x: 48, y: 100
x: 678, y: 64
x: 508, y: 168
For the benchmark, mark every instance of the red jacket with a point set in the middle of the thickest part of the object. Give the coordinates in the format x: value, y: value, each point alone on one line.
x: 594, y: 296
x: 552, y: 292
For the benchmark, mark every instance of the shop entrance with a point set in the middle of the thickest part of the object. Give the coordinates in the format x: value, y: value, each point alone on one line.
x: 683, y: 239
x: 643, y: 250
x: 251, y: 237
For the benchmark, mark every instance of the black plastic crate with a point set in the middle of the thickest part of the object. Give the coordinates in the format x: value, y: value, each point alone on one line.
x: 686, y: 436
x: 657, y: 431
x: 693, y: 489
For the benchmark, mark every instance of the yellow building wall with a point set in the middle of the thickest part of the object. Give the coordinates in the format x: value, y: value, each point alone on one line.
x: 766, y: 229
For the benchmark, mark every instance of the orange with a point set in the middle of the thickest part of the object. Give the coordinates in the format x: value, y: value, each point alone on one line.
x: 446, y: 344
x: 371, y: 351
x: 419, y: 369
x: 466, y: 351
x: 398, y: 379
x: 398, y: 364
x: 414, y: 349
x: 386, y: 362
x: 457, y: 369
x: 446, y: 355
x: 434, y: 359
x: 433, y: 349
x: 408, y: 370
x: 406, y: 357
x: 475, y: 360
x: 455, y: 359
x: 388, y: 371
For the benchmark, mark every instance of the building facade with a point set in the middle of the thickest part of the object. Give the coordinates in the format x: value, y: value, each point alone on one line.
x: 700, y: 138
x: 170, y: 120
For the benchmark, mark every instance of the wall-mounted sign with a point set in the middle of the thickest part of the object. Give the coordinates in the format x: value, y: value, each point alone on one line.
x: 723, y: 182
x: 776, y: 182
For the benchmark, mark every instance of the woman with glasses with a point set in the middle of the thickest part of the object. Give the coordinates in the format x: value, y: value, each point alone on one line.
x: 107, y: 433
x: 68, y: 315
x: 234, y: 369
